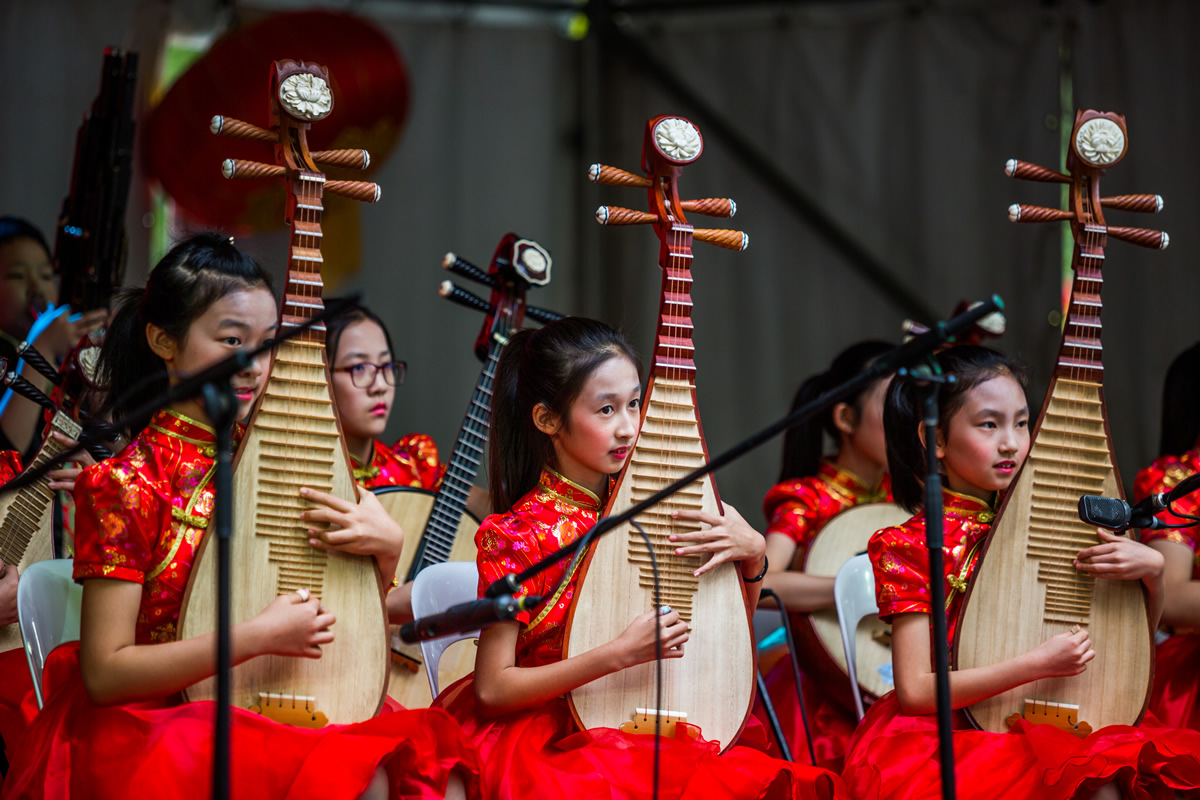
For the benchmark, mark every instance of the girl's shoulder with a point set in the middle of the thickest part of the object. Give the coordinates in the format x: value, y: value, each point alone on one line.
x: 1165, y: 472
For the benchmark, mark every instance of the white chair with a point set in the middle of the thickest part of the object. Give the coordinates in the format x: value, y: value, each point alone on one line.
x: 436, y: 588
x: 48, y: 610
x: 854, y: 596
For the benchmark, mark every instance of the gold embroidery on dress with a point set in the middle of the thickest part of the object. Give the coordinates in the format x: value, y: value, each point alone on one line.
x: 180, y: 531
x: 572, y: 501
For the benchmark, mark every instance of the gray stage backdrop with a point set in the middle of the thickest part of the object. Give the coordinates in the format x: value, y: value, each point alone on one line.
x: 896, y: 117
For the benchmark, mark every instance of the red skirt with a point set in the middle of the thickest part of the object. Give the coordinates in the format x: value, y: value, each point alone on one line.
x: 76, y: 749
x: 17, y: 702
x: 831, y: 723
x: 1176, y: 696
x: 539, y: 753
x: 893, y: 755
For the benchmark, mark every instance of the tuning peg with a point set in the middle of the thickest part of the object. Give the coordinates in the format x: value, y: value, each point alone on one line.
x: 1018, y: 212
x: 466, y: 269
x: 612, y: 176
x: 448, y: 290
x: 711, y: 207
x: 542, y: 315
x: 238, y: 168
x: 349, y: 158
x: 36, y: 360
x: 1143, y: 237
x: 23, y: 387
x: 1025, y: 171
x: 1144, y: 203
x: 732, y: 240
x: 226, y: 126
x: 615, y: 215
x: 356, y: 190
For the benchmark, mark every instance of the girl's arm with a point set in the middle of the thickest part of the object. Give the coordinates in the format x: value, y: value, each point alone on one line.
x: 797, y: 590
x: 916, y: 683
x: 501, y: 686
x: 364, y: 528
x: 116, y: 670
x: 729, y: 538
x: 1181, y: 605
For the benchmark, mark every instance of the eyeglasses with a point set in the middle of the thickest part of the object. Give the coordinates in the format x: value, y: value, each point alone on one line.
x: 363, y: 375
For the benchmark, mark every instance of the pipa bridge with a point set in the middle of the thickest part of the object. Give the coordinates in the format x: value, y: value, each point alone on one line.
x: 290, y: 709
x: 671, y: 724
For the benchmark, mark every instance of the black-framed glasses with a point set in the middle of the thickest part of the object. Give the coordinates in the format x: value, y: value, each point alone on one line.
x: 363, y: 375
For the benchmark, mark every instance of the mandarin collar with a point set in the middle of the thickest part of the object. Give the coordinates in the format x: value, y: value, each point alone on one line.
x: 965, y: 506
x: 172, y: 423
x: 847, y: 481
x: 565, y: 489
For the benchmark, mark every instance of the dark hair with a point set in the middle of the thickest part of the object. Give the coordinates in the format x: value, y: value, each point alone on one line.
x: 1181, y: 404
x: 803, y: 444
x: 345, y: 317
x: 191, y: 277
x: 12, y: 228
x: 971, y: 365
x: 549, y: 365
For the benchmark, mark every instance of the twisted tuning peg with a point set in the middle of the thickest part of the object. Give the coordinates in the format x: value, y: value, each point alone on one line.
x: 239, y: 168
x: 36, y: 360
x: 448, y: 290
x: 731, y: 240
x: 612, y: 176
x: 349, y: 158
x: 235, y: 128
x: 1143, y: 237
x: 1019, y: 212
x: 615, y: 215
x: 365, y: 191
x: 542, y: 315
x: 1025, y: 171
x: 1143, y: 203
x: 711, y: 207
x: 466, y: 269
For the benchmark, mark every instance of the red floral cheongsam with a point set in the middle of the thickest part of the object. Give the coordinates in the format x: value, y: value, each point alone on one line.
x: 894, y: 755
x: 537, y: 752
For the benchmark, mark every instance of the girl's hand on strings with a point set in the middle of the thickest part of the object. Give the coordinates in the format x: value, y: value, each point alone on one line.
x: 1120, y: 558
x: 635, y: 645
x: 1064, y: 655
x: 295, y: 624
x: 64, y: 478
x: 363, y: 528
x: 730, y: 538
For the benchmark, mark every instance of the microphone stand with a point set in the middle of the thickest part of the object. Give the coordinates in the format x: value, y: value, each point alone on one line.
x: 929, y: 379
x: 916, y: 348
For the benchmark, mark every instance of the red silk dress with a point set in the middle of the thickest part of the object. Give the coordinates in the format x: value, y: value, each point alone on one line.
x: 538, y: 752
x: 894, y: 755
x: 799, y: 509
x: 1175, y: 698
x: 142, y: 516
x: 412, y: 461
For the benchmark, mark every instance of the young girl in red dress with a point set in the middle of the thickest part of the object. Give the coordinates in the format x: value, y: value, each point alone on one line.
x: 982, y: 439
x: 113, y: 725
x: 1175, y: 698
x: 813, y: 489
x: 566, y: 413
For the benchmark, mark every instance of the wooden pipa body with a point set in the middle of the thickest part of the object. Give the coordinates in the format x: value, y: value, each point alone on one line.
x: 1026, y: 588
x: 820, y: 646
x: 437, y: 526
x: 712, y: 685
x: 27, y: 516
x: 294, y: 440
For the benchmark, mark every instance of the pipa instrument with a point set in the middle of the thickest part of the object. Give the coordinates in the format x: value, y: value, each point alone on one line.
x: 437, y: 525
x: 1025, y: 588
x: 712, y: 685
x: 294, y: 440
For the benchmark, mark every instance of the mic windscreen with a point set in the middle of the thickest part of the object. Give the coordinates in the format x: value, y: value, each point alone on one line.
x: 1107, y: 512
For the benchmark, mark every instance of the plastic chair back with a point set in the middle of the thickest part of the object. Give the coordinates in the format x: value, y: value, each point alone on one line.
x: 854, y: 596
x: 437, y: 588
x: 48, y: 611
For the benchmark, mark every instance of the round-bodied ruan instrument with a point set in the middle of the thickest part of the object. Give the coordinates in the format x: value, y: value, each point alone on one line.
x: 1025, y: 588
x: 294, y: 440
x: 712, y: 685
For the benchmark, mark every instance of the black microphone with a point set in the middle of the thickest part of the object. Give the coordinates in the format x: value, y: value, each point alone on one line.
x: 467, y: 617
x: 1115, y: 514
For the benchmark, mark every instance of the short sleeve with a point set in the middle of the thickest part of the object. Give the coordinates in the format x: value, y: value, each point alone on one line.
x: 901, y: 567
x: 10, y: 465
x: 792, y: 508
x: 116, y: 523
x: 506, y: 544
x: 420, y: 453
